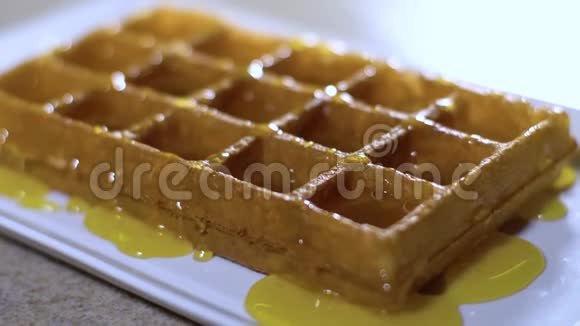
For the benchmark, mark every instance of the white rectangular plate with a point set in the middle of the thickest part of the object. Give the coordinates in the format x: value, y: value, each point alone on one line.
x: 214, y: 292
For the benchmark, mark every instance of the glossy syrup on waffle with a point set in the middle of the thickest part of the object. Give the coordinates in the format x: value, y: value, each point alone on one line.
x: 180, y: 87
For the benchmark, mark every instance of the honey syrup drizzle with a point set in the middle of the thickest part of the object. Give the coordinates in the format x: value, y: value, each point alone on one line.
x: 548, y: 206
x: 545, y: 207
x: 202, y: 255
x: 566, y: 179
x: 134, y: 237
x: 28, y: 191
x: 77, y: 205
x: 109, y: 221
x: 502, y: 266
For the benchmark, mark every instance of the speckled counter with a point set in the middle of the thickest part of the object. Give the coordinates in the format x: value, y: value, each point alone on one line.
x: 36, y: 289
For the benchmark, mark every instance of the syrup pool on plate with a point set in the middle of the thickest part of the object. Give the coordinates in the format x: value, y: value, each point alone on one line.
x: 502, y: 266
x: 548, y: 206
x: 566, y: 179
x: 133, y: 236
x: 77, y: 205
x: 30, y: 192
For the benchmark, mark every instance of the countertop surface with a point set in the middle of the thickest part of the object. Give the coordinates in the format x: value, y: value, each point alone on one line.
x: 35, y: 288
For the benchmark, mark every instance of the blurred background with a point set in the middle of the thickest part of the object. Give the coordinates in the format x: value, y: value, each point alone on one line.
x: 526, y: 47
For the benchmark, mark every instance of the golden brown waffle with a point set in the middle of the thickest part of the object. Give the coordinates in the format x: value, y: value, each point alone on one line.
x: 188, y: 91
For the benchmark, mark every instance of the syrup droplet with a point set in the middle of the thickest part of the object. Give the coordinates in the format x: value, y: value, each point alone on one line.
x: 446, y: 105
x: 74, y: 164
x: 3, y: 135
x: 270, y: 128
x: 330, y: 90
x: 77, y: 205
x: 183, y: 102
x: 68, y: 98
x: 256, y: 70
x: 566, y: 179
x: 331, y: 151
x: 118, y: 80
x: 202, y: 255
x: 545, y: 207
x: 356, y: 159
x: 214, y: 159
x: 100, y: 129
x: 553, y: 210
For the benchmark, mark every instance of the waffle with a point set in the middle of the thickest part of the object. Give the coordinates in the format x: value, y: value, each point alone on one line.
x: 212, y: 101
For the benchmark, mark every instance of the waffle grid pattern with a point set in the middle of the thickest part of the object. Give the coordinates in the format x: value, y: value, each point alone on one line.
x: 210, y: 95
